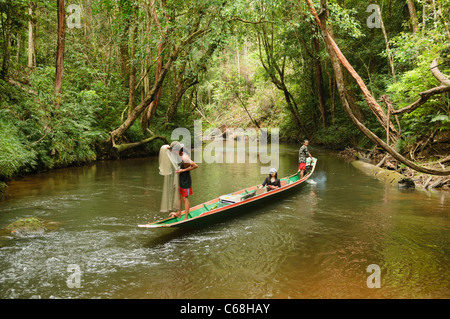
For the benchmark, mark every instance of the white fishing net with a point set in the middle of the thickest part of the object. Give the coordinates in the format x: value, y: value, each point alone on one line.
x: 167, y: 166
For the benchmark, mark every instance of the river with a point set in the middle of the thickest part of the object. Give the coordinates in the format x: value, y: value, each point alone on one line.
x: 317, y: 243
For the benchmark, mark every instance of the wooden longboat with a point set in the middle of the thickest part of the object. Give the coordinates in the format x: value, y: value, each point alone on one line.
x: 251, y: 197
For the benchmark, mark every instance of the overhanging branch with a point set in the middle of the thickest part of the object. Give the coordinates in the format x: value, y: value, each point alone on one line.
x: 249, y: 22
x: 122, y: 147
x: 334, y: 49
x: 426, y: 95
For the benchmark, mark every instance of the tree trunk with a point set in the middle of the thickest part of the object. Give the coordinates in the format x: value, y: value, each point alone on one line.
x: 123, y: 42
x: 31, y: 46
x: 148, y: 50
x: 389, y: 177
x: 319, y: 82
x: 123, y: 50
x: 333, y: 103
x: 172, y: 110
x: 373, y: 105
x: 292, y: 107
x: 132, y: 90
x: 444, y: 22
x: 181, y: 85
x: 332, y: 47
x: 388, y: 49
x: 351, y: 97
x: 137, y: 111
x: 271, y: 68
x: 151, y: 109
x: 19, y: 41
x: 434, y: 13
x: 318, y: 74
x: 89, y: 18
x: 60, y: 49
x: 152, y: 94
x: 4, y: 72
x: 413, y: 16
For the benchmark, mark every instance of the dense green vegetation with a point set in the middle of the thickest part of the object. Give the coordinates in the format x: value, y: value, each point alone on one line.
x: 141, y: 68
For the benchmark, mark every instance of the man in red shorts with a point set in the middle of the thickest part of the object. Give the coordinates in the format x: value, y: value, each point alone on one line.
x: 302, y: 155
x: 186, y: 165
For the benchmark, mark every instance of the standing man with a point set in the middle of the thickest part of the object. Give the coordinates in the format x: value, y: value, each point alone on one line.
x: 185, y: 166
x: 302, y: 155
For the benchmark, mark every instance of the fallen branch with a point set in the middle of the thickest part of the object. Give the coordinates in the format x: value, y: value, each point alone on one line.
x: 249, y: 22
x: 427, y: 182
x: 445, y: 159
x: 382, y: 161
x: 48, y: 131
x: 439, y: 182
x: 200, y: 112
x: 122, y: 147
x: 20, y: 86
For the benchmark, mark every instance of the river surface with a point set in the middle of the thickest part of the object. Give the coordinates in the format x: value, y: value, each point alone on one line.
x: 316, y: 243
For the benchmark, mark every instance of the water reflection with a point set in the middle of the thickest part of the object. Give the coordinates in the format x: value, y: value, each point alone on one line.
x: 316, y: 243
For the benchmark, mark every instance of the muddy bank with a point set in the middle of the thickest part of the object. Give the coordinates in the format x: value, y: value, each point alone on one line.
x: 138, y: 152
x: 386, y: 161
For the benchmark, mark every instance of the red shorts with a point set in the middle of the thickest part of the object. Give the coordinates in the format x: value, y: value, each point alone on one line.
x: 185, y: 192
x: 301, y: 166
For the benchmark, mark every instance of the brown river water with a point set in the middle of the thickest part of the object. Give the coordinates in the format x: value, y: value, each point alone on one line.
x: 316, y: 243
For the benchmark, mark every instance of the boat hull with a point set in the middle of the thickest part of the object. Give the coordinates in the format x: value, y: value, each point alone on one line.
x: 232, y: 210
x: 238, y: 210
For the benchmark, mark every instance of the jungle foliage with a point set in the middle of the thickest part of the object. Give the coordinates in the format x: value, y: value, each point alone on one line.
x: 138, y: 69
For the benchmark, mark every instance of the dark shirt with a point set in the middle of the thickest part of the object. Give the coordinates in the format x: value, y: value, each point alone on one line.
x: 303, y: 154
x: 268, y: 181
x: 185, y: 177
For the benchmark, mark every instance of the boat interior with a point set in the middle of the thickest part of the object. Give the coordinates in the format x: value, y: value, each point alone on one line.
x: 230, y: 199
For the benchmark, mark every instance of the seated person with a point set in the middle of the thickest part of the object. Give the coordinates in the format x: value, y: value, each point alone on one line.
x: 272, y: 180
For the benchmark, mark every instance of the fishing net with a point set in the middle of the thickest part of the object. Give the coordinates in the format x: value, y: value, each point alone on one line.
x: 167, y: 166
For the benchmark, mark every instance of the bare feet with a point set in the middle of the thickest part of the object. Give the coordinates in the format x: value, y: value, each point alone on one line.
x: 177, y: 215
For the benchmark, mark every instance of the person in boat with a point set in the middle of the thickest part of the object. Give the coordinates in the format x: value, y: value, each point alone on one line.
x: 185, y: 166
x: 272, y: 181
x: 302, y: 155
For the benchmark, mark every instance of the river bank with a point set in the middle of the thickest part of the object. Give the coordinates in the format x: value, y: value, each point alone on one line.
x: 375, y: 156
x: 381, y: 159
